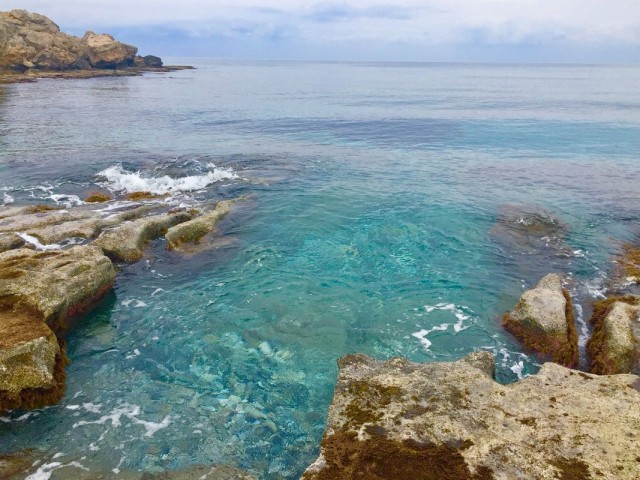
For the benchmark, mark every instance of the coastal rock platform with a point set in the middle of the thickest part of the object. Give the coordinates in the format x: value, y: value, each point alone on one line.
x: 397, y: 419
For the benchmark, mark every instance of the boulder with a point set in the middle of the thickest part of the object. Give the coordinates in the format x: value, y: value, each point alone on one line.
x: 615, y: 344
x: 152, y: 61
x: 544, y: 321
x: 401, y: 420
x: 103, y: 51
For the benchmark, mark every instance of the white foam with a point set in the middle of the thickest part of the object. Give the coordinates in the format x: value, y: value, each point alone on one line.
x: 66, y: 200
x: 517, y: 368
x: 7, y: 199
x: 36, y: 243
x: 44, y: 471
x: 131, y: 412
x: 422, y: 334
x: 120, y: 180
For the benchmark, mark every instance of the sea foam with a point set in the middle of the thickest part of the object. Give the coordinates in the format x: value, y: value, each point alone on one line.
x: 120, y: 180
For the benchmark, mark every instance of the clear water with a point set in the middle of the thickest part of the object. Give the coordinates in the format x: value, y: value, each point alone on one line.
x: 374, y: 195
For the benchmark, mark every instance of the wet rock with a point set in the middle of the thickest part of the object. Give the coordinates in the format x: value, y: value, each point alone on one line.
x: 126, y: 242
x: 398, y: 419
x: 544, y: 321
x: 531, y: 241
x: 615, y: 344
x: 193, y: 230
x: 98, y: 197
x: 31, y: 362
x: 54, y: 285
x: 11, y: 465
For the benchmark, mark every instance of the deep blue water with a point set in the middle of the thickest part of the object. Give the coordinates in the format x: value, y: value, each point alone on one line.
x: 379, y: 198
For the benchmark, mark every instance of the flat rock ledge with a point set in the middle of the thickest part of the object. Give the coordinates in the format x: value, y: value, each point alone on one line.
x: 46, y: 280
x: 615, y: 344
x: 544, y: 321
x: 437, y: 421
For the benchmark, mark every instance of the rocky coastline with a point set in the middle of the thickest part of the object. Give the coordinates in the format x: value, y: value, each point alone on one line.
x: 33, y: 47
x: 56, y: 263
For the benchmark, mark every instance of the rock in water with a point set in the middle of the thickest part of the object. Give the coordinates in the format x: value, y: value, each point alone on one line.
x: 451, y: 421
x: 152, y: 61
x: 103, y: 51
x: 39, y: 292
x: 615, y: 344
x: 543, y: 320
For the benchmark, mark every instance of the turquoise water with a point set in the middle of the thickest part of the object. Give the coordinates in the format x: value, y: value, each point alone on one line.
x: 381, y: 204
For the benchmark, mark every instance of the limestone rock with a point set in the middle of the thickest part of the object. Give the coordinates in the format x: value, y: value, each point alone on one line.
x: 32, y: 41
x: 54, y: 284
x: 9, y: 241
x: 193, y: 230
x: 543, y: 320
x: 446, y: 421
x: 103, y: 51
x: 615, y: 344
x: 31, y: 362
x: 126, y: 242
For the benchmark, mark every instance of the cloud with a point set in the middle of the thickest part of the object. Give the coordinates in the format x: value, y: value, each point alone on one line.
x: 417, y: 24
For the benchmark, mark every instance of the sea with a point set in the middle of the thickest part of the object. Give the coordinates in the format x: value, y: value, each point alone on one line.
x: 390, y: 209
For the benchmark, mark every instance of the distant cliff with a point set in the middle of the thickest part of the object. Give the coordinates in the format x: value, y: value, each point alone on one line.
x: 30, y: 42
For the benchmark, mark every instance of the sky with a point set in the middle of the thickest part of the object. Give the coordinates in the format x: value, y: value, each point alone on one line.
x: 529, y: 31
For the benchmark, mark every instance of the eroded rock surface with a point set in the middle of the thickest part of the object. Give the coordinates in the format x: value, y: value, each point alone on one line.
x: 543, y: 320
x: 615, y: 344
x: 30, y: 40
x: 440, y: 421
x: 193, y: 230
x: 45, y: 280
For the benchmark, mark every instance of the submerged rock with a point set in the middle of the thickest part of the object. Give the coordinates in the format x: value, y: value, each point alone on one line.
x: 543, y: 320
x: 615, y: 344
x: 193, y: 230
x: 404, y: 420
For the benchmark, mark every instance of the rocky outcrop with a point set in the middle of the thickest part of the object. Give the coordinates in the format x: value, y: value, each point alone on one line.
x: 615, y: 344
x: 39, y: 293
x: 29, y: 40
x: 543, y: 320
x: 398, y: 419
x: 31, y: 43
x: 43, y: 284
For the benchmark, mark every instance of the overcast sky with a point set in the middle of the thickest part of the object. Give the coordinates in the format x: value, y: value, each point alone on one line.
x: 427, y: 30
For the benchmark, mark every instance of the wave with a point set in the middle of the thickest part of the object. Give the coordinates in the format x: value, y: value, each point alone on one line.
x: 120, y: 180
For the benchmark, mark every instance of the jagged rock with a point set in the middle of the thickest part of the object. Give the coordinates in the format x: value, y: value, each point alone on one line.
x: 193, y: 230
x: 31, y: 362
x: 32, y: 41
x: 543, y: 320
x: 103, y: 51
x: 615, y: 344
x: 152, y: 61
x: 126, y: 242
x: 446, y: 421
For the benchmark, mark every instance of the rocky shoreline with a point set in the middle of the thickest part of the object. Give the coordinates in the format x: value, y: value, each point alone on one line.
x: 56, y: 263
x: 32, y: 47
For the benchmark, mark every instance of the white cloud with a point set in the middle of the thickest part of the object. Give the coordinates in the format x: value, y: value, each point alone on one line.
x: 429, y: 22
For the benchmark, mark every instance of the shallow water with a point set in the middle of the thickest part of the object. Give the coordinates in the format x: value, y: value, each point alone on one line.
x: 382, y: 199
